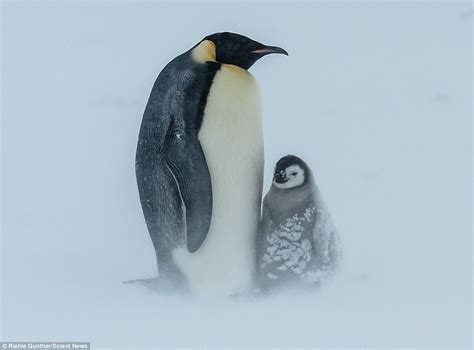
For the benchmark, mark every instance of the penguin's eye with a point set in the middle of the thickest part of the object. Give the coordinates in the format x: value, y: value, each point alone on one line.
x: 294, y: 174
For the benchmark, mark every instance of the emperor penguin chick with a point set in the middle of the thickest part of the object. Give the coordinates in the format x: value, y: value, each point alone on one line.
x: 298, y: 244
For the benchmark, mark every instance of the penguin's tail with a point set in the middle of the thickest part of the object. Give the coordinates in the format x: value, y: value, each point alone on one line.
x: 159, y: 285
x: 148, y: 282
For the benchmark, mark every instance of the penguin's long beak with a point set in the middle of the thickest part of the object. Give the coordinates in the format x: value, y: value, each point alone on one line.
x: 268, y: 50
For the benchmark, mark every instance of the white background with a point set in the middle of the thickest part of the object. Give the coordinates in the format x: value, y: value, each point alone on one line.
x: 376, y: 97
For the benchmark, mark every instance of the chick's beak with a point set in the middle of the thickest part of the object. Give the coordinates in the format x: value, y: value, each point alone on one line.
x: 280, y: 177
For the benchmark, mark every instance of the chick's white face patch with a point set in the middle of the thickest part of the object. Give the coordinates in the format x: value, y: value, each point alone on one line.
x: 294, y: 174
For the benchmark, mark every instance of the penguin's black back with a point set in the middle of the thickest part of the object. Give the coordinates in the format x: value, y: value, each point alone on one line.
x: 181, y: 89
x: 176, y: 105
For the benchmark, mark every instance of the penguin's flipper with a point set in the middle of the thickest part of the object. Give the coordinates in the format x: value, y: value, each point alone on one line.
x: 186, y: 162
x: 263, y: 230
x: 325, y: 237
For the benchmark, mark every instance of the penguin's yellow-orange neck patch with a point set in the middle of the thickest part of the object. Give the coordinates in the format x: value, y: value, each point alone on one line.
x: 205, y: 51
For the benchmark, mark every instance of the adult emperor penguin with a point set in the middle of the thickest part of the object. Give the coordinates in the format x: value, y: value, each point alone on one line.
x: 199, y: 165
x: 298, y: 244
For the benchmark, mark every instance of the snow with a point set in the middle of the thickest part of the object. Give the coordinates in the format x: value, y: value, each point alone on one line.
x: 376, y: 97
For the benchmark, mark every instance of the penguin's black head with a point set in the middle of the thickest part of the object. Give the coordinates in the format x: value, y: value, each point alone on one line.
x: 239, y: 50
x: 290, y: 171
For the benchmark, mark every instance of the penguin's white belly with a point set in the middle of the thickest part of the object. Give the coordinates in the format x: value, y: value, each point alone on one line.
x: 232, y: 141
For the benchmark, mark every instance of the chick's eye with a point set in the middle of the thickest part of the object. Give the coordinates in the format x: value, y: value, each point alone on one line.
x: 294, y: 174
